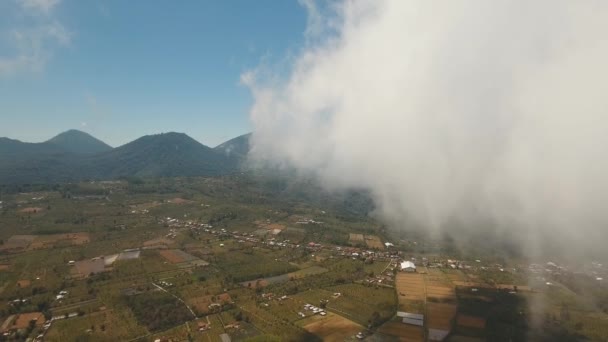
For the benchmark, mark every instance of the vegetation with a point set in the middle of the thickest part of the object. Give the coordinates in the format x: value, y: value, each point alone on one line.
x: 158, y: 310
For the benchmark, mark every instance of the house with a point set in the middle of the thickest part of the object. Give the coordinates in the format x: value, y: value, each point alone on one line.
x: 408, y: 266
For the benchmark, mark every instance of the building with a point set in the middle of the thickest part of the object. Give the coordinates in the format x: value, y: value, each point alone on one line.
x: 408, y: 266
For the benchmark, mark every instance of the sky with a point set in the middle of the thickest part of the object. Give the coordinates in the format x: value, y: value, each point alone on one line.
x: 122, y: 69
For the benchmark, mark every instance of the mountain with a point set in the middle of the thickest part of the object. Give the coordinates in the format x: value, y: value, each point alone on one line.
x: 235, y: 149
x: 159, y: 155
x: 76, y: 141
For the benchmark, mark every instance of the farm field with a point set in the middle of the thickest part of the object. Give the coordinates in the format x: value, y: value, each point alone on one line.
x: 440, y: 316
x: 401, y: 332
x: 355, y: 238
x: 410, y: 292
x: 373, y: 241
x: 331, y: 328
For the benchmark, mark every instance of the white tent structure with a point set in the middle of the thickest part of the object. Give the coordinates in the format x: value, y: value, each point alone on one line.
x: 408, y: 266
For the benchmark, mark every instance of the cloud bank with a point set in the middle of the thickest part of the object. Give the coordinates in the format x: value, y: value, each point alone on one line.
x: 472, y: 111
x: 30, y: 35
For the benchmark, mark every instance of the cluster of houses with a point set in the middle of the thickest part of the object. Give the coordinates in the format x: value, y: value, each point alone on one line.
x: 315, y: 310
x: 61, y: 295
x: 19, y: 322
x: 308, y: 221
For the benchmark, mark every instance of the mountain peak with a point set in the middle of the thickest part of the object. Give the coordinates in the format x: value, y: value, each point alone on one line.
x: 237, y: 147
x: 77, y: 141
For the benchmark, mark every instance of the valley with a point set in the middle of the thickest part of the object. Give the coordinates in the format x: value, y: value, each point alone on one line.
x: 210, y: 258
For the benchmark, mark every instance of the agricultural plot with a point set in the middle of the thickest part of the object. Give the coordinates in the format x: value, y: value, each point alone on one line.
x: 314, y: 296
x: 17, y: 243
x: 331, y: 327
x: 440, y: 316
x: 440, y: 294
x: 34, y: 242
x: 295, y: 235
x: 267, y: 323
x: 469, y: 321
x: 31, y: 210
x: 244, y: 266
x: 438, y: 287
x: 158, y: 243
x: 373, y: 241
x: 356, y: 238
x: 309, y: 271
x: 59, y: 240
x: 215, y: 328
x: 410, y: 286
x: 263, y: 282
x: 203, y: 304
x: 454, y: 275
x: 110, y: 325
x: 402, y: 332
x: 380, y: 299
x: 84, y: 268
x: 410, y: 292
x: 23, y: 320
x: 178, y: 200
x: 460, y: 338
x: 175, y: 256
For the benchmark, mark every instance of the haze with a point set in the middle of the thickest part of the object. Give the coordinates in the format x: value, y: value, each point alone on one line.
x: 491, y: 114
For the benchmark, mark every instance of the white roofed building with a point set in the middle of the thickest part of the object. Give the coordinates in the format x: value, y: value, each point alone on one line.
x: 408, y: 266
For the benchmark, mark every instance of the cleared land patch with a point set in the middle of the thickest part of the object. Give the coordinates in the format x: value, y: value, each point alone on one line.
x: 263, y: 282
x: 440, y: 316
x: 176, y: 256
x: 410, y: 292
x: 31, y: 210
x: 356, y: 238
x: 403, y: 332
x: 18, y: 243
x: 23, y: 320
x: 331, y: 327
x: 84, y: 268
x: 159, y: 242
x: 373, y: 241
x: 471, y: 321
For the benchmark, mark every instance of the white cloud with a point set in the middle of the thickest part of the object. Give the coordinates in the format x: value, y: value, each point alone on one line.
x: 32, y: 39
x: 468, y: 111
x: 43, y: 6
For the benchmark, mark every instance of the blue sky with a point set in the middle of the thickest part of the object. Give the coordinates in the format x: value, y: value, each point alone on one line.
x: 123, y: 69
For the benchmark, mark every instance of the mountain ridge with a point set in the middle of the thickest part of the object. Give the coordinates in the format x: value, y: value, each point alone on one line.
x: 158, y: 155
